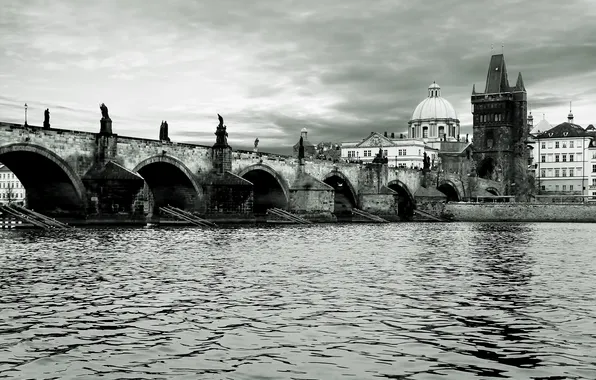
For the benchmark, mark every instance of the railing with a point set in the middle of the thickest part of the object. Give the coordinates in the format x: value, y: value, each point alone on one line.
x: 369, y: 216
x: 186, y: 216
x: 32, y: 217
x: 289, y: 217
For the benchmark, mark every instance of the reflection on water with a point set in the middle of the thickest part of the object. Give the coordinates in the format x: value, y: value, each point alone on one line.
x: 400, y: 301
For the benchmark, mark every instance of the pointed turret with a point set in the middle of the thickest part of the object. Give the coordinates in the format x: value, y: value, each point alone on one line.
x: 496, y: 79
x: 519, y: 85
x: 474, y: 89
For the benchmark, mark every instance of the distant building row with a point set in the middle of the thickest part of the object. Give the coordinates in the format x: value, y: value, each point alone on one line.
x: 11, y: 189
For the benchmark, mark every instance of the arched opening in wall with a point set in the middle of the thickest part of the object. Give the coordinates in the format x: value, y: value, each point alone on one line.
x: 405, y: 201
x: 267, y: 191
x: 41, y: 181
x: 169, y: 185
x: 450, y: 192
x: 486, y: 169
x: 493, y: 191
x: 345, y: 199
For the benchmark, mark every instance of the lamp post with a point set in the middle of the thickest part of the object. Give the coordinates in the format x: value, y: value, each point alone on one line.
x: 26, y: 106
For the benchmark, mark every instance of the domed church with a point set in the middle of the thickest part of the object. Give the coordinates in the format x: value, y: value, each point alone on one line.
x: 434, y: 119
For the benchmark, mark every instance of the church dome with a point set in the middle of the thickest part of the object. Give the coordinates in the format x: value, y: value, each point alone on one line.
x: 434, y: 106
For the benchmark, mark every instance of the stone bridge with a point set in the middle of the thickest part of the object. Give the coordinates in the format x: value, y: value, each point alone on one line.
x: 104, y: 175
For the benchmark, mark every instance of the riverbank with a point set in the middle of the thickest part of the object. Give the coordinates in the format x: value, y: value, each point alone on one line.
x: 520, y: 212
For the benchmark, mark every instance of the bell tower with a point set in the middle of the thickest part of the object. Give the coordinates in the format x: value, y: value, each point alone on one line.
x: 500, y: 129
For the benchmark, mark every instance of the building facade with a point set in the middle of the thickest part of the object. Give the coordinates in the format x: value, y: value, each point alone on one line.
x: 564, y: 163
x: 400, y: 152
x: 500, y: 129
x: 11, y: 189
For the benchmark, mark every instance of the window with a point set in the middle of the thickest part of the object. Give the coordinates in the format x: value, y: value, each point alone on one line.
x: 550, y: 145
x: 571, y: 172
x: 543, y: 158
x: 557, y: 187
x: 543, y: 173
x: 564, y: 144
x: 593, y: 168
x: 419, y: 152
x: 570, y: 187
x: 556, y: 172
x: 564, y: 158
x: 571, y: 144
x: 543, y: 145
x: 564, y: 187
x: 556, y: 158
x: 564, y: 172
x: 424, y: 132
x: 571, y: 158
x: 556, y: 144
x: 543, y: 187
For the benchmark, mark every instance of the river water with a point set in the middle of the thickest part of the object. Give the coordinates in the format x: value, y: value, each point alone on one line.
x: 398, y: 301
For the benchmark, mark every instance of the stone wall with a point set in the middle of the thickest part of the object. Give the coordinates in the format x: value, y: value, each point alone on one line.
x: 132, y: 151
x: 76, y: 148
x: 520, y: 212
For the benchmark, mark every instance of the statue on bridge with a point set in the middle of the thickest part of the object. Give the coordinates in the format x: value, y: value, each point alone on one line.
x: 425, y: 162
x: 163, y: 131
x: 220, y: 133
x: 301, y: 149
x: 104, y: 111
x: 379, y: 158
x: 105, y: 124
x: 46, y: 119
x: 256, y: 142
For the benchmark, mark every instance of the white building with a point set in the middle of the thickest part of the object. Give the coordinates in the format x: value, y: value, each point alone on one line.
x: 399, y: 152
x: 434, y: 119
x: 11, y: 189
x: 562, y: 163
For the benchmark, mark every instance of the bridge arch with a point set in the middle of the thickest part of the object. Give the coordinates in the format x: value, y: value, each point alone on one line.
x: 269, y: 187
x: 493, y: 191
x: 450, y: 190
x: 170, y: 182
x: 346, y: 197
x: 51, y: 184
x: 406, y: 202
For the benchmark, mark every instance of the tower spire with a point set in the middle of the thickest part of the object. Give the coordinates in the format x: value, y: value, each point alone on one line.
x: 570, y: 116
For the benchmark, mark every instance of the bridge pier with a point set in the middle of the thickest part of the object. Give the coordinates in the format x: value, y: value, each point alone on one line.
x: 311, y: 198
x: 375, y: 196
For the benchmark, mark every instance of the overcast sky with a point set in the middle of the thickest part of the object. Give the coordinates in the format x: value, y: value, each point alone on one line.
x: 340, y: 68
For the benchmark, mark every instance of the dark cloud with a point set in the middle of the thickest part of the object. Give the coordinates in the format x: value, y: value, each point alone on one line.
x: 340, y: 68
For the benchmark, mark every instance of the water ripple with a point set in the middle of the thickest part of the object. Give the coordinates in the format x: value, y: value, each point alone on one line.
x: 398, y: 301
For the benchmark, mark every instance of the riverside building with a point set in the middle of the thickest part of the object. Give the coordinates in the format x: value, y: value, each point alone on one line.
x: 563, y: 157
x: 11, y: 189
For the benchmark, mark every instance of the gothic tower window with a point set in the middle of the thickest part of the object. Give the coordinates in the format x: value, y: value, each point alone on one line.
x: 489, y: 139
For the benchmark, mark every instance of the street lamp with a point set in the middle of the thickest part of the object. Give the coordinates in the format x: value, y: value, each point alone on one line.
x: 26, y: 106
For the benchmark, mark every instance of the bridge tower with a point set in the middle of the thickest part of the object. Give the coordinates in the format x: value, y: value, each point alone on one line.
x: 500, y: 129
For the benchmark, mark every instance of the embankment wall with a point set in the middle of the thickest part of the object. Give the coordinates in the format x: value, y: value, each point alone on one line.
x: 520, y: 212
